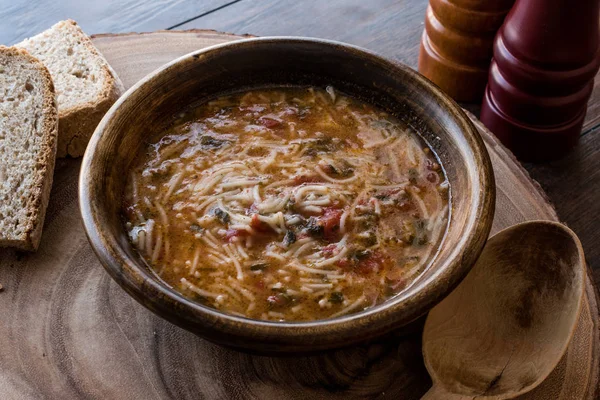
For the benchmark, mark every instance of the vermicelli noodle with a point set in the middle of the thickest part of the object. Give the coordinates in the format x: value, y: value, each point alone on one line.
x: 288, y: 204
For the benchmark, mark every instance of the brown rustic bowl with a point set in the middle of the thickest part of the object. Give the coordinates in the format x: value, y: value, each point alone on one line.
x: 154, y: 101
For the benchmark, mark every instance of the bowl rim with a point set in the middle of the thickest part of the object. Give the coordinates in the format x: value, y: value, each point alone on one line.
x: 432, y: 290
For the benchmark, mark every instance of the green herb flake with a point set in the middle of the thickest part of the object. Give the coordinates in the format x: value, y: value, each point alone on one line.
x: 368, y: 241
x: 336, y: 297
x: 420, y: 238
x: 314, y: 228
x: 320, y: 145
x: 196, y: 228
x: 362, y: 254
x: 211, y: 142
x: 258, y: 267
x: 289, y: 238
x: 222, y: 215
x: 412, y: 175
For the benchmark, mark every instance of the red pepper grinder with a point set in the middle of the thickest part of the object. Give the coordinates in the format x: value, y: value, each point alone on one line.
x: 546, y: 55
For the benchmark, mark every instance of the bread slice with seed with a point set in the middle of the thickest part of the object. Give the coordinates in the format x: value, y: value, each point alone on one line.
x: 28, y: 137
x: 86, y: 86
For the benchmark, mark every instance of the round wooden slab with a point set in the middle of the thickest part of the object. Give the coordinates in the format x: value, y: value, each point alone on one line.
x: 68, y: 331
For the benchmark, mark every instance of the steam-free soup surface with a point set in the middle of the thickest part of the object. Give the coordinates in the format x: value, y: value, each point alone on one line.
x: 287, y: 204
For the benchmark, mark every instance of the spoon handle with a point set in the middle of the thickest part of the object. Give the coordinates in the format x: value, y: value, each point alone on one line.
x: 438, y: 393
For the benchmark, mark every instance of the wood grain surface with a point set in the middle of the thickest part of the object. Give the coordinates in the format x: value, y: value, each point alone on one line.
x: 68, y: 331
x: 573, y: 185
x: 25, y: 18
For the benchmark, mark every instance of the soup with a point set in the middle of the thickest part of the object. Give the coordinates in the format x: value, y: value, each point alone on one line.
x: 287, y: 204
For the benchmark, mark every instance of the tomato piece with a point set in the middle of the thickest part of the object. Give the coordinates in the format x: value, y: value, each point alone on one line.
x: 329, y: 250
x: 331, y: 223
x: 300, y: 179
x: 433, y: 177
x: 232, y: 233
x: 259, y: 225
x: 345, y: 264
x: 372, y: 263
x: 269, y: 122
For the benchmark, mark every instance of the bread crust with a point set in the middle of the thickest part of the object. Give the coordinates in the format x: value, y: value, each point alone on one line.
x: 40, y: 192
x: 77, y: 123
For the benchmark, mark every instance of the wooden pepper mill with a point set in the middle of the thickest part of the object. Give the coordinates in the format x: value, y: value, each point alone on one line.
x: 456, y: 47
x: 545, y: 58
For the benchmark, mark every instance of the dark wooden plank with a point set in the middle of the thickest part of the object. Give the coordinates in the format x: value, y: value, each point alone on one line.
x: 390, y: 27
x: 592, y: 119
x: 24, y: 18
x: 573, y: 185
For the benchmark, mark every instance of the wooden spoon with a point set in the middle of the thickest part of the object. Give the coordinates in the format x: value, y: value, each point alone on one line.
x: 509, y: 322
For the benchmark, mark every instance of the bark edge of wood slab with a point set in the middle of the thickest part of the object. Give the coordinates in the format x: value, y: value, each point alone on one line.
x: 277, y: 61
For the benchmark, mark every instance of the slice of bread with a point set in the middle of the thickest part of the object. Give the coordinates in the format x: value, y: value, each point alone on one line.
x: 28, y: 137
x: 86, y: 86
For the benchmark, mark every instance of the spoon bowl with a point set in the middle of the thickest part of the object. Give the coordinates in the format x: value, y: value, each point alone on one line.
x: 509, y: 322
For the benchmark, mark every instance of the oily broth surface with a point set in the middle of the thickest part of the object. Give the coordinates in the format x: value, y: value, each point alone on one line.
x: 287, y: 204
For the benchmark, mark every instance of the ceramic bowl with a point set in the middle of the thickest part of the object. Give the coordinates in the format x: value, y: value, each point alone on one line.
x: 261, y: 62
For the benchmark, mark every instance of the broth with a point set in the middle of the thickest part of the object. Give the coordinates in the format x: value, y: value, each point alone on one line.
x: 287, y: 204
